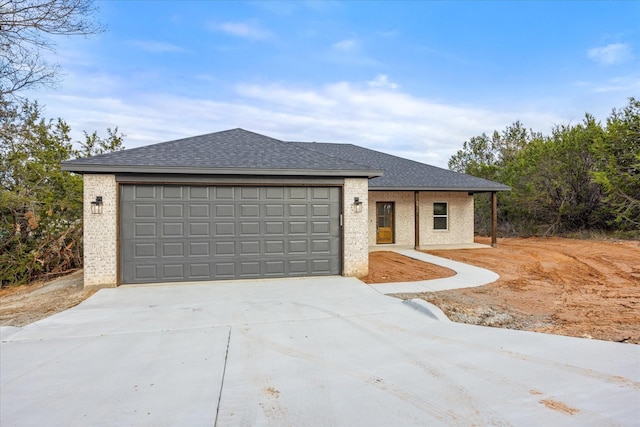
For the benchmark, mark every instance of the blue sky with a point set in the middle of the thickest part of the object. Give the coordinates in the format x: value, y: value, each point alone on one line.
x: 414, y: 79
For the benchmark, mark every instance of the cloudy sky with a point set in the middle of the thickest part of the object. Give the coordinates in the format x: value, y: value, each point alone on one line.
x: 414, y: 79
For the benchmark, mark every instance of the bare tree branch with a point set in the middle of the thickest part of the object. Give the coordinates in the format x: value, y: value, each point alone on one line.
x: 26, y: 29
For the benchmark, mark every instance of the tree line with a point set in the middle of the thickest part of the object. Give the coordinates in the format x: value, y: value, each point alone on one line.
x: 41, y: 205
x: 583, y: 177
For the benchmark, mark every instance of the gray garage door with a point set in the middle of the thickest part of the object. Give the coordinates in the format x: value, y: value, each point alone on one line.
x: 172, y: 233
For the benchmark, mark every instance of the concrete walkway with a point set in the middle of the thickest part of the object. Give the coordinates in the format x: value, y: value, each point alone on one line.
x: 315, y: 352
x: 467, y: 276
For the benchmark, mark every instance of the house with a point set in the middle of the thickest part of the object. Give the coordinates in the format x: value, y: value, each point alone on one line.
x: 236, y: 205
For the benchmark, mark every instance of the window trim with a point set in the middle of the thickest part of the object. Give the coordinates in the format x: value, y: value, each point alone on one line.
x: 446, y: 216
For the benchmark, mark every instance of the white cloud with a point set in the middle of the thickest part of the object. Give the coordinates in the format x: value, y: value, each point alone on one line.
x: 624, y: 84
x: 347, y: 45
x: 614, y: 53
x: 382, y: 80
x: 157, y: 47
x: 377, y: 118
x: 247, y: 30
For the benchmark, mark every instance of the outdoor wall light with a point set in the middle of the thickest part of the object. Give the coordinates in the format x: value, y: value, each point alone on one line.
x: 96, y: 205
x: 357, y: 204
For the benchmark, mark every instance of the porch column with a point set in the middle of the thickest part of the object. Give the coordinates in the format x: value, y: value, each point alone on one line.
x: 494, y: 219
x: 416, y: 204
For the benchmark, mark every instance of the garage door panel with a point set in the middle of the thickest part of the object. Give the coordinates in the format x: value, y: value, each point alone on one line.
x: 173, y: 249
x: 200, y: 271
x: 172, y: 210
x: 225, y: 211
x: 183, y: 233
x: 297, y: 228
x: 320, y: 228
x: 225, y: 249
x: 249, y: 248
x: 172, y: 192
x: 143, y: 229
x: 198, y: 211
x: 145, y: 211
x: 196, y: 193
x: 249, y: 211
x: 225, y: 229
x: 141, y: 192
x: 274, y: 228
x: 199, y: 229
x: 297, y: 193
x: 249, y: 193
x: 249, y: 269
x: 274, y: 247
x: 274, y: 211
x: 298, y: 267
x: 225, y: 270
x: 199, y: 249
x: 250, y: 228
x: 173, y: 271
x: 320, y: 246
x: 145, y: 250
x: 145, y: 272
x: 321, y: 266
x: 173, y: 229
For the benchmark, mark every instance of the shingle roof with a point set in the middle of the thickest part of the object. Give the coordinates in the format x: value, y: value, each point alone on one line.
x: 234, y: 151
x: 241, y: 152
x: 404, y: 174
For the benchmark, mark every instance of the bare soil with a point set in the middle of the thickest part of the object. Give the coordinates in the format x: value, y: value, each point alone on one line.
x: 21, y: 305
x: 580, y: 288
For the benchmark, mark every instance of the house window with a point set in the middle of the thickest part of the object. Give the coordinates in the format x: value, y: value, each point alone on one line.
x: 440, y: 216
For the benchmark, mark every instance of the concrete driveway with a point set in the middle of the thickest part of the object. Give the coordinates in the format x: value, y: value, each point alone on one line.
x: 300, y: 352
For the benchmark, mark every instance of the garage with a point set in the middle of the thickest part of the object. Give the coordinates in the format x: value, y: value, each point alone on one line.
x: 182, y: 233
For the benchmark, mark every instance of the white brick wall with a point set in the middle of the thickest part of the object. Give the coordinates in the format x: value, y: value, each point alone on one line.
x: 460, y: 218
x: 101, y: 232
x: 404, y: 215
x: 355, y: 229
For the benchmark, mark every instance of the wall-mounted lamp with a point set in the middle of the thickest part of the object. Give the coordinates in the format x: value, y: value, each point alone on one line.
x: 357, y: 204
x: 96, y: 205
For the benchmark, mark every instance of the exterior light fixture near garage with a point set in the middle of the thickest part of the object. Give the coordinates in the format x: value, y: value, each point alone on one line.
x: 357, y: 204
x: 96, y: 205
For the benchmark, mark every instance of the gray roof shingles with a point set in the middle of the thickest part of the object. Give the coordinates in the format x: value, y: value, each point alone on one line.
x: 242, y: 152
x: 400, y: 173
x: 219, y: 152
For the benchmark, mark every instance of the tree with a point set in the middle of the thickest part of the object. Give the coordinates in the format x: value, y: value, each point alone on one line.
x: 553, y: 190
x: 581, y: 177
x: 619, y: 167
x: 489, y: 158
x: 40, y: 205
x: 25, y: 27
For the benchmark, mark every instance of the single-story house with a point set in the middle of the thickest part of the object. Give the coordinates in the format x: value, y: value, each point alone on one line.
x: 236, y: 204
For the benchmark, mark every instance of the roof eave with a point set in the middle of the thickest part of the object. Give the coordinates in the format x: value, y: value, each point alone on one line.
x: 108, y: 169
x: 458, y: 189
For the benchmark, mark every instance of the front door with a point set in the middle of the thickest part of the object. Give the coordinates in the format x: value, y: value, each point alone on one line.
x: 384, y: 226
